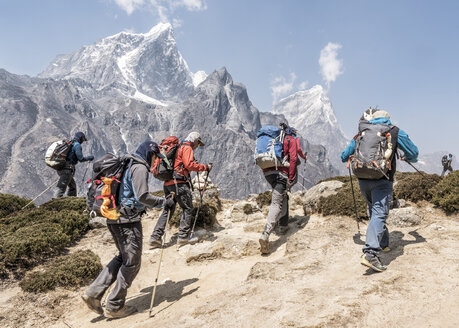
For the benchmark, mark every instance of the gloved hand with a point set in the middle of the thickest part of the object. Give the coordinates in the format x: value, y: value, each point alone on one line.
x: 168, y: 203
x: 90, y: 158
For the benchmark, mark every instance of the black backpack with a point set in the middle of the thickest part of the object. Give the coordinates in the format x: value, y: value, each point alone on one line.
x: 56, y: 154
x: 107, y: 170
x: 374, y: 150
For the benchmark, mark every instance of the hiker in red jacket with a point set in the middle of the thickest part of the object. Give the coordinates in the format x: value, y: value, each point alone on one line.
x: 281, y: 180
x: 183, y: 165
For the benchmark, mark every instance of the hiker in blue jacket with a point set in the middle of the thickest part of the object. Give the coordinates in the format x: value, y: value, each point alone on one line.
x: 66, y: 174
x: 378, y: 192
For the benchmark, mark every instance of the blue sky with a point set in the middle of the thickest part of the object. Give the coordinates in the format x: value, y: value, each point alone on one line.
x: 399, y: 55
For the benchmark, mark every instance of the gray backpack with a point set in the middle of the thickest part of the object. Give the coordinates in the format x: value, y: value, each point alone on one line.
x: 374, y: 150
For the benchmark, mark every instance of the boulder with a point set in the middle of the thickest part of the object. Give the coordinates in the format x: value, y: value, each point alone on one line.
x: 312, y: 196
x: 97, y: 222
x: 405, y: 217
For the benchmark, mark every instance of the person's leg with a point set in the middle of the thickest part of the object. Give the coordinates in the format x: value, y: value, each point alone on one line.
x: 131, y: 251
x: 162, y: 220
x: 381, y: 194
x: 72, y: 188
x: 278, y: 205
x: 65, y: 175
x: 444, y: 171
x: 185, y: 200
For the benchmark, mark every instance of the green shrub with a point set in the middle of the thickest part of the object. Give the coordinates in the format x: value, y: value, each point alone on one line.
x: 158, y: 193
x: 264, y: 198
x: 341, y: 178
x: 28, y: 245
x: 11, y: 203
x: 414, y: 187
x: 247, y: 209
x: 72, y: 271
x: 342, y: 203
x: 446, y: 193
x: 206, y: 218
x: 29, y: 236
x: 65, y: 203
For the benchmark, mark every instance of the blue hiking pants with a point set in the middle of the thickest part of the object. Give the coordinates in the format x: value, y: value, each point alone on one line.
x: 378, y: 195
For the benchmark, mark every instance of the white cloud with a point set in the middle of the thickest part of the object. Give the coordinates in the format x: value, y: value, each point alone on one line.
x: 280, y: 86
x: 176, y: 23
x: 303, y: 85
x: 164, y: 8
x: 130, y: 5
x: 330, y: 66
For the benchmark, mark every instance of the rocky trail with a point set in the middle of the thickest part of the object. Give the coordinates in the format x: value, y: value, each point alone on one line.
x: 312, y: 278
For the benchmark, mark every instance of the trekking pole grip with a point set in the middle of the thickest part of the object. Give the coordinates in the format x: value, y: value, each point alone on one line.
x: 172, y: 194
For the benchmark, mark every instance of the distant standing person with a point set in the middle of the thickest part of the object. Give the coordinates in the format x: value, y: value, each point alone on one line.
x: 371, y: 153
x: 66, y: 174
x: 446, y: 161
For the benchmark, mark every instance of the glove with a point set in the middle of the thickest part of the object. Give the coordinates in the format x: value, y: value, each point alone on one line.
x: 168, y: 203
x: 90, y: 158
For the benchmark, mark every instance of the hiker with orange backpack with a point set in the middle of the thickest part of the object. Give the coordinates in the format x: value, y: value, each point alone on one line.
x: 180, y: 184
x: 371, y: 154
x: 126, y: 230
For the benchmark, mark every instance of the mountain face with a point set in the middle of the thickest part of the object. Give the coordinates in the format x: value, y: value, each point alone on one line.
x: 147, y: 66
x: 311, y: 113
x: 100, y: 102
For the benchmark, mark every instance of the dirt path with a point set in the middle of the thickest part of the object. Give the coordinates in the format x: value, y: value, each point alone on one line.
x: 312, y: 279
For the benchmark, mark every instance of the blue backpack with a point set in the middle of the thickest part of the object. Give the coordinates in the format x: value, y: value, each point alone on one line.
x: 268, y: 152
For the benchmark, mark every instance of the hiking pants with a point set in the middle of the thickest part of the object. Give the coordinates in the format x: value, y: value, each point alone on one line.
x: 66, y: 180
x: 123, y: 268
x: 446, y: 168
x: 378, y: 195
x: 278, y: 210
x: 184, y: 197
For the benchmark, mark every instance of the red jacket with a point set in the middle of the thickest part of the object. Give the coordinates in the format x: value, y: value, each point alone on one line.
x: 290, y: 147
x: 185, y: 163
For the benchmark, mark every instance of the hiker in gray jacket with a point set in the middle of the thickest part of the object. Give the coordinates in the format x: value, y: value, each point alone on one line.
x: 134, y: 197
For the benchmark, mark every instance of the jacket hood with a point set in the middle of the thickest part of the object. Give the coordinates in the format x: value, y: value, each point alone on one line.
x: 79, y: 137
x: 147, y: 149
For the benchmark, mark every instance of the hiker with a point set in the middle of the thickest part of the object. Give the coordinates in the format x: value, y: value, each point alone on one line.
x: 66, y: 174
x: 183, y: 165
x: 377, y: 140
x: 127, y: 234
x: 281, y: 178
x: 446, y: 161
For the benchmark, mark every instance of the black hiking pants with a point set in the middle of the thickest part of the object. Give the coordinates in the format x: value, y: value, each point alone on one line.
x: 123, y: 268
x: 66, y: 180
x: 184, y: 197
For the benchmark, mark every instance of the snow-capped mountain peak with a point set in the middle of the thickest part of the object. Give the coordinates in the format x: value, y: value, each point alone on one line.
x: 148, y: 65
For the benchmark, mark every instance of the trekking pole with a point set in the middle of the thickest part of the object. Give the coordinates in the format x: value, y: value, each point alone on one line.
x: 160, y: 258
x: 40, y: 194
x: 201, y: 194
x: 355, y: 205
x: 422, y: 174
x: 84, y: 176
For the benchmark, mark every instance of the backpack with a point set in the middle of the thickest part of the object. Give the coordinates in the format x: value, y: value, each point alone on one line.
x: 57, y: 153
x: 103, y: 197
x: 444, y: 160
x: 164, y: 169
x: 270, y: 143
x: 374, y: 151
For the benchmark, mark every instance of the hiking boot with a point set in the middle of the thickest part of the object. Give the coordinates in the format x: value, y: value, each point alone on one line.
x: 282, y: 230
x: 386, y: 249
x: 121, y: 313
x: 93, y: 304
x: 264, y: 243
x: 155, y: 243
x: 372, y: 261
x: 187, y: 240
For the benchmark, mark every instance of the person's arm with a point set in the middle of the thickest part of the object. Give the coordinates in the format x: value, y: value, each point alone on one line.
x: 293, y: 157
x: 79, y: 153
x: 139, y: 174
x: 409, y: 149
x: 188, y: 160
x: 350, y: 149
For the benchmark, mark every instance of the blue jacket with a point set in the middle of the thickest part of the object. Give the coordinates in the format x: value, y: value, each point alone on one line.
x: 76, y: 154
x: 406, y: 145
